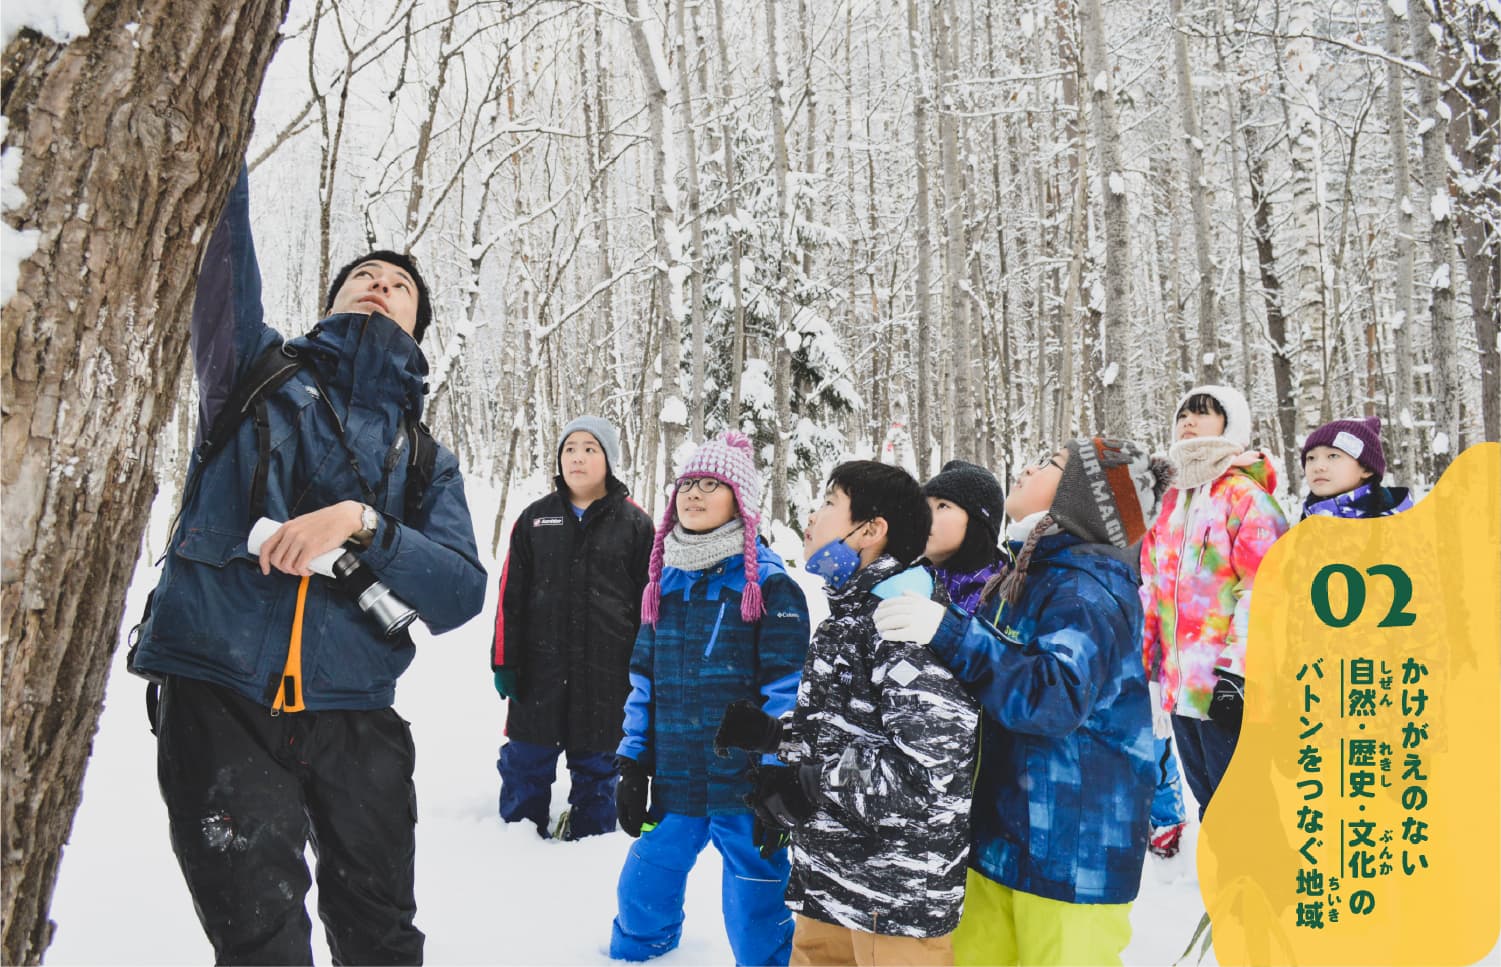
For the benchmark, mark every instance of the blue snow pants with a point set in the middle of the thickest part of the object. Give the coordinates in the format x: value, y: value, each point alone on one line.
x: 1206, y: 748
x: 1167, y: 801
x: 527, y: 771
x: 654, y: 882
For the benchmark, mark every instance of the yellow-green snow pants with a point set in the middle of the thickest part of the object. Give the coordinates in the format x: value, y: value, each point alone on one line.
x: 1005, y: 926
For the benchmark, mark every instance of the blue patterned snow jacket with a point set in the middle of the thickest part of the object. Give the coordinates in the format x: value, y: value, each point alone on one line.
x: 1066, y: 765
x: 699, y: 658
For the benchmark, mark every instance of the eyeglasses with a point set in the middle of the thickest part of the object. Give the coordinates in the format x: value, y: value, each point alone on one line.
x: 1047, y: 458
x: 705, y: 484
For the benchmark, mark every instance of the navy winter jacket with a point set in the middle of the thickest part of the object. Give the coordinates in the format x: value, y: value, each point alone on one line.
x: 699, y: 658
x: 214, y: 616
x: 570, y: 608
x: 1067, y: 770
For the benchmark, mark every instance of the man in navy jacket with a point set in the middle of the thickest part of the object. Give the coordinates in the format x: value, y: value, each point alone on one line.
x: 275, y: 725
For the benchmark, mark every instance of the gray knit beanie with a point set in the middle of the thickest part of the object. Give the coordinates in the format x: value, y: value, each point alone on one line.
x: 1110, y: 491
x: 603, y: 431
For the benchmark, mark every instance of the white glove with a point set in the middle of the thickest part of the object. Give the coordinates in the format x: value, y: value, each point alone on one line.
x: 909, y: 617
x: 1162, y: 719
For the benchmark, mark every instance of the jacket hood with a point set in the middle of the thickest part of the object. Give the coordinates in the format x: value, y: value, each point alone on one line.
x: 1258, y: 467
x: 1098, y: 560
x: 370, y: 358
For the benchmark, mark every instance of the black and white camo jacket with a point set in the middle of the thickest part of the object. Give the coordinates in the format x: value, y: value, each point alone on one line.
x: 894, y: 737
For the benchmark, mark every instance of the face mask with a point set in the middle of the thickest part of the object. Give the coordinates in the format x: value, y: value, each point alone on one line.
x: 835, y: 562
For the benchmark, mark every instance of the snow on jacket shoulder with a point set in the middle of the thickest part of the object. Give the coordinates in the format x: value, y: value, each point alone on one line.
x: 570, y: 607
x: 214, y: 616
x: 1198, y: 567
x: 700, y: 657
x: 893, y: 735
x: 1067, y: 772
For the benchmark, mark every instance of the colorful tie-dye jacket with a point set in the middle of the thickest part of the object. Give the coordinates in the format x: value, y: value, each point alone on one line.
x: 1198, y: 565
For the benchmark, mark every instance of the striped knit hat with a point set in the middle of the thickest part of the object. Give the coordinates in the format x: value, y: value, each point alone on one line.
x: 1110, y: 491
x: 730, y: 460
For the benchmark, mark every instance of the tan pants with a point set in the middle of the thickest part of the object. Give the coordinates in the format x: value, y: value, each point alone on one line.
x: 819, y: 944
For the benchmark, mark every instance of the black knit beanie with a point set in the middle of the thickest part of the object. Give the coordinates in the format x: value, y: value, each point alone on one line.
x: 407, y: 264
x: 973, y: 488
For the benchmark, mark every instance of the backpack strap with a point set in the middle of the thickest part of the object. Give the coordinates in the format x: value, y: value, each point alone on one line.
x: 423, y: 459
x: 271, y: 369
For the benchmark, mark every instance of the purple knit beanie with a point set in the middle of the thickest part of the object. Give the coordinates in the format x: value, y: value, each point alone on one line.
x: 730, y: 460
x: 1361, y: 439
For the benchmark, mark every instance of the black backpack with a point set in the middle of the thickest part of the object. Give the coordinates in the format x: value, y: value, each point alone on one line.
x: 248, y: 399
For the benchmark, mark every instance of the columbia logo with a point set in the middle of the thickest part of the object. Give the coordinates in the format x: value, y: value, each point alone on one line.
x: 787, y: 614
x: 313, y: 392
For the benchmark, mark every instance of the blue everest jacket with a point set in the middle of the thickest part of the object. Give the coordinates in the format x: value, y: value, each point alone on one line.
x: 214, y: 616
x: 1066, y: 763
x: 699, y: 658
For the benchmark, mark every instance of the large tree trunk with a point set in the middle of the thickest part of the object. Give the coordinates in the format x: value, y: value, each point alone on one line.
x: 922, y: 332
x: 652, y: 64
x: 128, y: 142
x: 1448, y: 391
x: 1301, y: 103
x: 957, y: 350
x: 732, y: 206
x: 1475, y: 107
x: 1396, y: 122
x: 1276, y: 319
x: 695, y: 221
x: 1106, y: 129
x: 1209, y: 365
x: 1232, y: 90
x: 782, y: 390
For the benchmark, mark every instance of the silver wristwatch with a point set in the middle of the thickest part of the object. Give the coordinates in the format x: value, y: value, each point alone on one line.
x: 369, y: 521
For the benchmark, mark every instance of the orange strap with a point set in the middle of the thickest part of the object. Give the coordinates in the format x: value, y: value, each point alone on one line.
x: 289, y: 696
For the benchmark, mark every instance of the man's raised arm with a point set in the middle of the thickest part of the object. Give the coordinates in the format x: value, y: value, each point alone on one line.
x: 229, y: 329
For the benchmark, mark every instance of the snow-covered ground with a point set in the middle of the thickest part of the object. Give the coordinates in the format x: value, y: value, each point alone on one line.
x: 487, y: 893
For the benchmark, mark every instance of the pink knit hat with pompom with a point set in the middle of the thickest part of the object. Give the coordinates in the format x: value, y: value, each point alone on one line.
x: 730, y: 460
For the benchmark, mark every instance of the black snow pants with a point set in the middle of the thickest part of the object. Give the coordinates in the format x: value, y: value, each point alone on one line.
x: 246, y: 792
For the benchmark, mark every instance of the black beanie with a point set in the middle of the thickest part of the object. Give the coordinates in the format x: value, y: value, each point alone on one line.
x: 407, y: 264
x: 973, y: 488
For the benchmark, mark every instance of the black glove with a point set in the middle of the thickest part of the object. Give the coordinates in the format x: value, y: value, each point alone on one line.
x: 1227, y: 704
x: 785, y: 797
x: 630, y: 794
x: 769, y: 840
x: 746, y: 726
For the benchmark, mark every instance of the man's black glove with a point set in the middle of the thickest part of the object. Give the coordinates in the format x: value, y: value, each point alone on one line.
x: 630, y: 794
x: 1227, y: 704
x: 746, y: 726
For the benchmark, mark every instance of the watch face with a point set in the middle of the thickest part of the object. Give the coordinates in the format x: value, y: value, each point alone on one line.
x: 369, y: 519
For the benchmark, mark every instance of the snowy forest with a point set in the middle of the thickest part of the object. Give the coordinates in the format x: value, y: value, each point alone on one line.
x: 917, y: 230
x: 904, y: 230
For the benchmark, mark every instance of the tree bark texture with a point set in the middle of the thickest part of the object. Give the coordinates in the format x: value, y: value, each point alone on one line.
x: 782, y: 389
x: 1448, y: 391
x: 695, y: 221
x: 922, y: 332
x: 1106, y: 130
x: 129, y: 141
x: 1208, y: 366
x: 652, y: 64
x: 1396, y: 121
